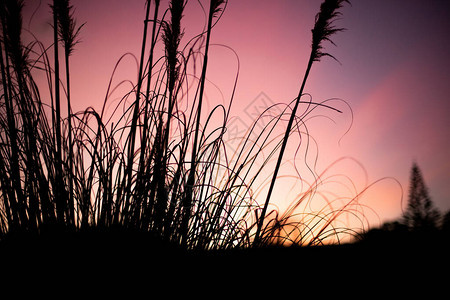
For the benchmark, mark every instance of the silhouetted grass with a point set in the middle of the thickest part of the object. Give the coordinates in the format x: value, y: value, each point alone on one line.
x: 155, y: 162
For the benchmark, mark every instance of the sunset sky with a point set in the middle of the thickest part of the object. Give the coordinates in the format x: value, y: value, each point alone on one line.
x: 393, y: 72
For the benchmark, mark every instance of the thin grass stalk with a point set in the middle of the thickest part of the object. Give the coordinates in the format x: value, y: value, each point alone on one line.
x: 68, y: 33
x: 280, y: 156
x: 60, y: 199
x: 134, y: 120
x: 145, y: 128
x: 57, y: 80
x: 70, y: 137
x: 322, y: 31
x: 214, y: 8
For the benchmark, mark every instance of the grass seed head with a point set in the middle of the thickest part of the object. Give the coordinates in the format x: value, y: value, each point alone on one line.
x: 67, y: 28
x: 324, y: 28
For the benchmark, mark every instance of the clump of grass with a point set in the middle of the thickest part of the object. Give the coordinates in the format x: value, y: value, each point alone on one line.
x: 147, y: 164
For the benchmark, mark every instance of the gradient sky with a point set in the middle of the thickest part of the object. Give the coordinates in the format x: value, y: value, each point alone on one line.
x: 393, y: 71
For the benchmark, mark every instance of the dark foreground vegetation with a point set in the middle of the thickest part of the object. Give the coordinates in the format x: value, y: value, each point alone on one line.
x: 115, y: 255
x: 148, y: 184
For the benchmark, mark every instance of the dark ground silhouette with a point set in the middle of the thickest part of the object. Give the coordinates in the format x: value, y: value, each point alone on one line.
x: 392, y: 249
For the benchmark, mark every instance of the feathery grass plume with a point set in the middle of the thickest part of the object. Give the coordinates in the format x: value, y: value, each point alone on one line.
x: 12, y: 28
x: 172, y: 35
x: 217, y: 6
x: 67, y: 26
x: 322, y: 31
x: 324, y: 28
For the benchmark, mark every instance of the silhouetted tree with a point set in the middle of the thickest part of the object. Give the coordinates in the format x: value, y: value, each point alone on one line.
x: 420, y: 214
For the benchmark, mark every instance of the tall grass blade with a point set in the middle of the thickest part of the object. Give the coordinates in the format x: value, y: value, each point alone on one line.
x: 322, y: 31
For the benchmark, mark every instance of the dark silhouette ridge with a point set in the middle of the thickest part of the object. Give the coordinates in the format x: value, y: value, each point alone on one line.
x: 84, y: 258
x: 134, y: 261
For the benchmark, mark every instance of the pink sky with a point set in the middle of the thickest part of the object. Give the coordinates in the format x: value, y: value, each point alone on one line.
x: 393, y: 72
